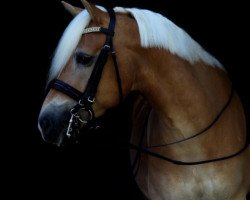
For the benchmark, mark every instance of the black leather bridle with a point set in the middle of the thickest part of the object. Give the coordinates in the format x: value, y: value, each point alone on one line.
x: 83, y: 112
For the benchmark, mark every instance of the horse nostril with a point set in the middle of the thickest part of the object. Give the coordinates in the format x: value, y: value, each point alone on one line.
x: 45, y: 124
x: 52, y: 124
x: 46, y: 128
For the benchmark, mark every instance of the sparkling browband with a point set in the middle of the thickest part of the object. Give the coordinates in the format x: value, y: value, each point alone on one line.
x: 91, y: 30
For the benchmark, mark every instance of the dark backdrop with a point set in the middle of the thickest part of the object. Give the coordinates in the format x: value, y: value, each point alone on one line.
x: 98, y: 167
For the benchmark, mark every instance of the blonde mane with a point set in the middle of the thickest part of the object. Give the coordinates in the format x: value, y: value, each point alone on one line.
x: 155, y: 31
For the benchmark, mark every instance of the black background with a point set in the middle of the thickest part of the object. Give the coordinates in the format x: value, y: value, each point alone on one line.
x: 98, y: 167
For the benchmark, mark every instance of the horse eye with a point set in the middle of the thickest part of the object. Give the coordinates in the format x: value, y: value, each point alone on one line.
x: 83, y: 59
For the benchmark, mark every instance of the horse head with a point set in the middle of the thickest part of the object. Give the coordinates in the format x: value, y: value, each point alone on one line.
x: 92, y: 59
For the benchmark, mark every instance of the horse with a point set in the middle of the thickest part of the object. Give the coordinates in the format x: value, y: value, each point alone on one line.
x: 188, y: 128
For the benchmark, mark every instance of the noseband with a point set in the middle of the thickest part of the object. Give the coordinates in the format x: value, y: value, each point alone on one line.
x: 82, y: 112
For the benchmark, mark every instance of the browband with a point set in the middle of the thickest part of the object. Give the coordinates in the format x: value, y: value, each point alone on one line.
x: 98, y: 29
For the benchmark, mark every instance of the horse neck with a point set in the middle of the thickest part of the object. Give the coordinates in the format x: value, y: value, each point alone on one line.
x: 185, y: 97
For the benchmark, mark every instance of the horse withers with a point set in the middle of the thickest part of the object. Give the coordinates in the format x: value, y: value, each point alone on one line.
x: 188, y: 126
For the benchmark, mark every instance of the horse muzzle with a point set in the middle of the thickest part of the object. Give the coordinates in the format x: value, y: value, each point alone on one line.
x: 58, y: 123
x: 52, y: 124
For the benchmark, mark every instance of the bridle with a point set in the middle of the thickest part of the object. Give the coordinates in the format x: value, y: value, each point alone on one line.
x: 82, y: 113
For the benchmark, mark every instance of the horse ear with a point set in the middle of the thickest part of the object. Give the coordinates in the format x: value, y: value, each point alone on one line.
x: 72, y: 9
x: 93, y: 11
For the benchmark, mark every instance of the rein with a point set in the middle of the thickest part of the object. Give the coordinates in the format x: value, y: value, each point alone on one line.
x: 82, y: 112
x: 146, y: 150
x: 205, y: 129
